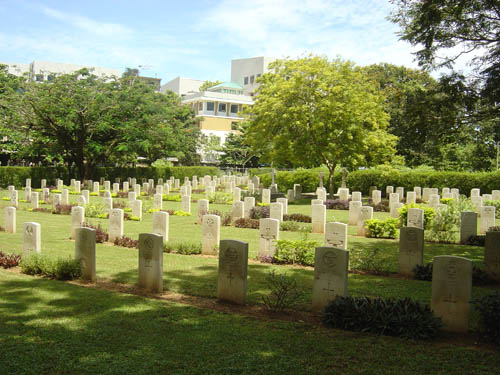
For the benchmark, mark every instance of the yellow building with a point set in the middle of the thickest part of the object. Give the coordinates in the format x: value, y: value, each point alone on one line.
x: 218, y: 109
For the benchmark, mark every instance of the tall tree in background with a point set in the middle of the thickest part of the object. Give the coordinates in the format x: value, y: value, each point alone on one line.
x: 313, y: 111
x: 446, y: 30
x: 86, y: 121
x: 427, y: 115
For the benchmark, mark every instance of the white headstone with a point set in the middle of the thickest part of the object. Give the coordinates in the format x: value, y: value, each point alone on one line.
x: 203, y: 207
x: 411, y: 249
x: 336, y: 235
x: 157, y: 201
x: 318, y: 217
x: 77, y: 219
x: 10, y: 219
x: 354, y: 208
x: 210, y: 234
x: 411, y: 197
x: 269, y: 231
x: 151, y: 262
x: 34, y: 199
x: 487, y: 218
x: 415, y: 218
x: 284, y: 202
x: 276, y: 211
x: 330, y: 276
x: 365, y: 213
x: 249, y: 204
x: 186, y: 203
x: 85, y: 252
x: 343, y: 194
x: 115, y: 224
x: 32, y: 242
x: 233, y: 267
x: 266, y: 196
x: 468, y: 225
x: 137, y: 208
x: 238, y: 210
x: 160, y: 224
x: 376, y: 197
x: 356, y: 196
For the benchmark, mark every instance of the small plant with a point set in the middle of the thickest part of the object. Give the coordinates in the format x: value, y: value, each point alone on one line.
x: 478, y: 240
x: 42, y: 209
x: 101, y: 235
x: 258, y: 212
x: 392, y: 317
x: 297, y: 217
x: 126, y: 242
x: 220, y: 198
x: 479, y: 276
x: 247, y: 223
x: 294, y: 226
x: 489, y: 316
x: 225, y: 217
x: 9, y: 260
x: 295, y: 251
x: 62, y: 209
x: 185, y: 248
x: 182, y: 213
x: 423, y: 272
x: 285, y: 292
x: 59, y: 269
x: 172, y: 198
x: 336, y: 204
x: 94, y: 210
x: 119, y: 204
x: 383, y: 206
x: 372, y: 260
x: 382, y: 228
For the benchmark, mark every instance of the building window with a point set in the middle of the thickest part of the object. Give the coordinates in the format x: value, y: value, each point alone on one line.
x: 258, y: 75
x: 222, y: 107
x: 51, y: 77
x: 210, y: 106
x: 234, y: 108
x: 39, y: 77
x: 246, y: 80
x: 234, y: 126
x: 200, y: 106
x: 251, y: 79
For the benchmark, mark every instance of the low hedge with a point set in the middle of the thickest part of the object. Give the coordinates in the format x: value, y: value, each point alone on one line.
x: 17, y: 175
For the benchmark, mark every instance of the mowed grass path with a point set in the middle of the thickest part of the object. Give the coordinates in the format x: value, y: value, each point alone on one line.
x: 52, y: 327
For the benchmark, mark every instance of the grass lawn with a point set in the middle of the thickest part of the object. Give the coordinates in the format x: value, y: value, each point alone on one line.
x: 53, y: 327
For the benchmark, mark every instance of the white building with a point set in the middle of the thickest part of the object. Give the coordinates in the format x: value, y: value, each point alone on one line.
x: 45, y: 70
x: 246, y: 71
x: 182, y: 86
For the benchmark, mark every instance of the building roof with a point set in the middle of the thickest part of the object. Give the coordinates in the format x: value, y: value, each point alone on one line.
x: 218, y: 96
x: 230, y: 85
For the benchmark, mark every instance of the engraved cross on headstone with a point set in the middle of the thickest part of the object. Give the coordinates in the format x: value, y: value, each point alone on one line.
x: 329, y: 289
x: 230, y: 277
x: 267, y: 235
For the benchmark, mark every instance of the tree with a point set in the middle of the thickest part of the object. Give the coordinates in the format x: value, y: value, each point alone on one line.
x: 207, y: 84
x: 455, y: 28
x: 86, y: 121
x: 427, y: 115
x: 236, y: 151
x: 313, y: 111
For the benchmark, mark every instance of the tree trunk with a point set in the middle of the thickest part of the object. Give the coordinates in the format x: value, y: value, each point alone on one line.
x: 331, y: 182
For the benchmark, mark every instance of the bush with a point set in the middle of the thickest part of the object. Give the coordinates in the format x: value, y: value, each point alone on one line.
x: 126, y: 242
x: 172, y: 198
x: 392, y: 317
x: 423, y: 272
x: 185, y: 248
x: 9, y: 260
x: 101, y: 235
x: 382, y: 228
x: 59, y: 269
x: 285, y: 292
x: 372, y: 260
x: 247, y: 223
x: 476, y: 240
x: 220, y: 198
x: 336, y: 204
x: 182, y: 213
x: 489, y: 316
x: 62, y: 209
x: 225, y: 217
x: 259, y: 212
x: 297, y: 217
x: 383, y: 206
x: 295, y: 252
x: 295, y: 226
x: 94, y: 210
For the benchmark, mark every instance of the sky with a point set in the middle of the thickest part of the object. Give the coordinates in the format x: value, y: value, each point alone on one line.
x: 197, y: 38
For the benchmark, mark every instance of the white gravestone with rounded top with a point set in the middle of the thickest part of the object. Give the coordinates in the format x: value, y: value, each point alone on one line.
x: 77, y: 219
x: 330, y: 275
x: 32, y: 242
x: 85, y: 252
x: 318, y: 218
x: 151, y: 262
x: 115, y: 224
x: 336, y: 235
x: 160, y: 224
x: 232, y: 273
x: 276, y: 211
x: 203, y: 208
x: 210, y: 234
x: 411, y: 249
x: 10, y: 219
x: 269, y: 231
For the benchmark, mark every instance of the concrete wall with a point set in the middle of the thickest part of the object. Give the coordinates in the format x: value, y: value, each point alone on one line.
x: 182, y: 86
x: 241, y: 68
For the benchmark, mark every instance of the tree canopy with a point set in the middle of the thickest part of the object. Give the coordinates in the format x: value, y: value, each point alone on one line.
x: 446, y: 30
x: 85, y: 121
x: 207, y: 84
x: 312, y: 111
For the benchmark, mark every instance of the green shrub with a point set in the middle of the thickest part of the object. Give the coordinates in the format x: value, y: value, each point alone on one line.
x: 297, y: 217
x: 220, y: 198
x: 94, y: 210
x: 182, y: 213
x: 489, y: 316
x: 382, y: 228
x: 479, y: 276
x: 285, y: 292
x: 372, y: 260
x: 429, y: 214
x: 295, y: 251
x: 185, y: 248
x: 171, y: 197
x: 247, y: 223
x: 295, y: 226
x: 391, y: 317
x: 59, y: 269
